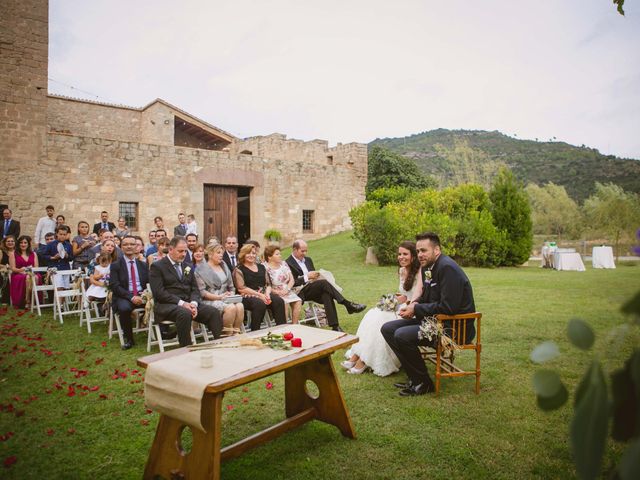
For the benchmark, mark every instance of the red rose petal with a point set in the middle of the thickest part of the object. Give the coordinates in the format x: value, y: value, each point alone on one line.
x: 9, y: 461
x: 229, y: 407
x: 269, y: 385
x: 103, y: 396
x: 50, y: 432
x: 104, y: 344
x: 144, y: 422
x: 131, y: 402
x: 71, y: 431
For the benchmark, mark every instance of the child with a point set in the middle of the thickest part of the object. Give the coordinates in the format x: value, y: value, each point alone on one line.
x: 99, y: 280
x: 58, y: 254
x: 192, y: 227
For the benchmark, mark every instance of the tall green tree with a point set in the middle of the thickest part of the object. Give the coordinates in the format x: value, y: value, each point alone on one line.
x: 512, y: 214
x: 554, y: 212
x: 389, y: 169
x: 613, y: 212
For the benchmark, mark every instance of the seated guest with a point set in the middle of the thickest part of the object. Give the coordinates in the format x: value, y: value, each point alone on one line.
x: 45, y: 225
x: 252, y: 282
x: 99, y: 279
x: 315, y: 288
x: 7, y: 250
x: 81, y: 244
x: 160, y: 233
x: 282, y: 280
x: 10, y: 226
x: 162, y: 246
x: 129, y: 278
x: 108, y: 247
x: 152, y: 241
x: 213, y: 240
x: 176, y: 295
x: 48, y: 238
x: 192, y: 226
x: 116, y: 239
x: 256, y: 244
x: 103, y: 224
x: 105, y: 235
x: 198, y: 255
x: 22, y: 259
x: 60, y: 220
x: 59, y: 254
x: 231, y: 252
x: 192, y: 241
x: 215, y: 284
x: 121, y: 229
x: 446, y: 290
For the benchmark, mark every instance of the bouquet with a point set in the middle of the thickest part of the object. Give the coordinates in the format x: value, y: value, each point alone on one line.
x: 388, y: 303
x: 431, y: 330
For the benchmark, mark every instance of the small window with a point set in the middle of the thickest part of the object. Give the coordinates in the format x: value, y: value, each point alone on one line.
x: 307, y: 221
x: 129, y: 210
x: 329, y: 159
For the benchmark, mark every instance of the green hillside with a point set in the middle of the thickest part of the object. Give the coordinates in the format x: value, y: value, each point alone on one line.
x: 576, y: 168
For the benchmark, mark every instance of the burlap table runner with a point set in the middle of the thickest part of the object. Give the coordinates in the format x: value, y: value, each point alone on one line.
x: 175, y: 386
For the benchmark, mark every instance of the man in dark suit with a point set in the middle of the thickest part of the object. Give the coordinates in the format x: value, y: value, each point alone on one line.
x: 447, y: 290
x: 9, y: 225
x: 104, y: 223
x: 176, y: 295
x: 128, y: 279
x: 181, y: 228
x: 317, y: 289
x: 230, y: 255
x: 192, y: 243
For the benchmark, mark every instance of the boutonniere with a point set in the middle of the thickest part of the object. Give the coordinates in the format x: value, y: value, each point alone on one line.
x: 427, y: 276
x: 187, y: 270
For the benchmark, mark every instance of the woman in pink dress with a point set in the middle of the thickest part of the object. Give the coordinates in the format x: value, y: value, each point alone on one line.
x: 23, y: 259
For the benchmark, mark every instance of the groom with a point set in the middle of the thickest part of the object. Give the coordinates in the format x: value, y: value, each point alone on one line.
x: 447, y: 290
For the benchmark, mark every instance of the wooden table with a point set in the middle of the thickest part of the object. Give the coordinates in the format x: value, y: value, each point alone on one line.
x: 169, y: 460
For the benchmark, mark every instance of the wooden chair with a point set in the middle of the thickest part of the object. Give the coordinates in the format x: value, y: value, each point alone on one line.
x: 455, y: 326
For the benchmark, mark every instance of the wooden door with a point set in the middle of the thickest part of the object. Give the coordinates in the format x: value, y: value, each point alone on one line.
x: 220, y: 212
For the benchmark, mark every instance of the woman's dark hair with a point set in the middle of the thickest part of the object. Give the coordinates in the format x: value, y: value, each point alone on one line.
x: 20, y: 239
x: 82, y: 222
x: 269, y: 250
x: 414, y: 266
x: 3, y: 243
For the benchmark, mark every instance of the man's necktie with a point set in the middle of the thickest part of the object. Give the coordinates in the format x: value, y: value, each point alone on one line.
x: 134, y: 282
x: 178, y: 269
x: 233, y: 260
x: 6, y: 227
x: 105, y: 226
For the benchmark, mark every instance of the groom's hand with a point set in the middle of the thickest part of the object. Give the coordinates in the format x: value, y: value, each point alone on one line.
x: 407, y: 312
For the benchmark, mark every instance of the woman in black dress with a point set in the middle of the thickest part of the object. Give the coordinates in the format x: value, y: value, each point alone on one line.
x: 252, y: 282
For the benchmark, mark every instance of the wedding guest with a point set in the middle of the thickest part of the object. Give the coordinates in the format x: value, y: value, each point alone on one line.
x: 315, y: 288
x: 22, y: 259
x: 446, y: 290
x: 213, y: 240
x: 152, y: 242
x: 103, y: 224
x: 198, y: 255
x: 216, y: 284
x: 116, y: 239
x: 81, y: 244
x: 129, y: 278
x: 158, y: 222
x: 105, y: 235
x: 60, y: 220
x: 58, y: 254
x: 48, y: 238
x: 121, y: 229
x: 45, y: 225
x: 372, y: 351
x: 99, y: 279
x: 10, y: 226
x: 7, y: 250
x: 176, y: 295
x: 160, y: 233
x: 163, y: 248
x: 256, y: 244
x: 140, y: 248
x: 252, y: 282
x: 231, y: 252
x: 192, y: 226
x: 282, y: 280
x: 181, y: 228
x: 192, y: 241
x: 110, y: 248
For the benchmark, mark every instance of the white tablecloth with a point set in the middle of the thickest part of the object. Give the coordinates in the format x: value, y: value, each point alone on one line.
x: 568, y: 261
x: 602, y: 257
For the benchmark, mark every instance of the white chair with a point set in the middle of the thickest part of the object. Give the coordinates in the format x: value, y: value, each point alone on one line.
x: 267, y: 321
x: 91, y: 311
x: 312, y: 316
x: 44, y: 289
x: 114, y: 319
x: 67, y: 301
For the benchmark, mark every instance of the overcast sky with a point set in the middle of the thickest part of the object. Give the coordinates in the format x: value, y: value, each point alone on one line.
x: 354, y: 70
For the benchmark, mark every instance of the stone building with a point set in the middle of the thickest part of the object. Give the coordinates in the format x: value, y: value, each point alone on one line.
x: 84, y: 157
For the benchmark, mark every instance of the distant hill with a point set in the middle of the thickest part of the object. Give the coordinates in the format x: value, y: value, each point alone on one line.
x: 576, y: 168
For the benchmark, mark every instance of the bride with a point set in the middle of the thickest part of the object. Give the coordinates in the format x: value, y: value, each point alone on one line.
x: 372, y: 351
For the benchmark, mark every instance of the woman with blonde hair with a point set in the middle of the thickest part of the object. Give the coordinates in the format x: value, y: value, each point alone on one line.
x: 216, y: 289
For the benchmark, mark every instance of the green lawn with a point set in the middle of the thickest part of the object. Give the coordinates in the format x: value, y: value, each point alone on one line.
x: 73, y: 416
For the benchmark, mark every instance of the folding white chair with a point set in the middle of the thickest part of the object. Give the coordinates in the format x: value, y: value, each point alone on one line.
x: 91, y: 310
x: 114, y: 320
x: 44, y: 289
x: 267, y: 321
x: 67, y: 301
x: 311, y: 315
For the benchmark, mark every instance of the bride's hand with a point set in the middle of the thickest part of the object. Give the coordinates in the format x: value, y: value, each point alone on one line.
x: 401, y: 298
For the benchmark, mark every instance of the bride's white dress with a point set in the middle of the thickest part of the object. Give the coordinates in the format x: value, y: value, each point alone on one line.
x: 371, y: 347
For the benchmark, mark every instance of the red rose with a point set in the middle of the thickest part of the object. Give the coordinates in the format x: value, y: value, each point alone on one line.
x: 288, y: 336
x: 296, y: 342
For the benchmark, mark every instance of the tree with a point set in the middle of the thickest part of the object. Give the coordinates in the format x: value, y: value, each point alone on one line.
x: 389, y: 169
x: 553, y: 211
x: 468, y: 165
x: 614, y: 212
x: 512, y: 214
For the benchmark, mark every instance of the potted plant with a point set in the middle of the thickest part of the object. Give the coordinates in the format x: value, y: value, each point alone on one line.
x: 272, y: 235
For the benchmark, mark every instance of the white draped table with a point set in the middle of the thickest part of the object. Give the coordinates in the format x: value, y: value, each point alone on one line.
x: 563, y: 260
x: 602, y: 257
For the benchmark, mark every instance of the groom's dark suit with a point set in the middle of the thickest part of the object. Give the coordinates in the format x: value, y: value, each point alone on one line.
x: 122, y: 291
x: 449, y: 292
x: 319, y: 291
x: 169, y: 289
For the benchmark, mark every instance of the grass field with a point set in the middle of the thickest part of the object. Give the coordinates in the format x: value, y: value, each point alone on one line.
x: 74, y: 402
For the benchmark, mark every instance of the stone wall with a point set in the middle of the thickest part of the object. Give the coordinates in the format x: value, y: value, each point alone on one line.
x: 83, y: 176
x: 23, y: 96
